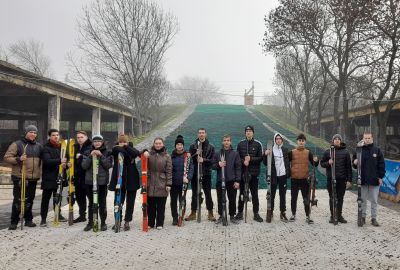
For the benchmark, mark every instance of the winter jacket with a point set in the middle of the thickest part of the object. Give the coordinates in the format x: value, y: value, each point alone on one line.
x: 207, y: 154
x: 343, y: 169
x: 159, y: 173
x: 284, y: 157
x: 105, y: 163
x: 254, y: 149
x: 130, y: 173
x: 33, y: 163
x: 233, y: 168
x: 300, y: 159
x: 51, y: 164
x: 79, y: 173
x: 372, y: 165
x: 178, y: 161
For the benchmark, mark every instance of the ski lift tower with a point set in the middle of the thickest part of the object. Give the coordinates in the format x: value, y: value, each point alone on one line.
x: 249, y: 96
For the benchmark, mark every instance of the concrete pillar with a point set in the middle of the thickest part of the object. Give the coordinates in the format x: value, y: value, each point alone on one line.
x: 121, y: 124
x: 42, y: 132
x: 96, y: 121
x: 373, y: 125
x: 53, y: 112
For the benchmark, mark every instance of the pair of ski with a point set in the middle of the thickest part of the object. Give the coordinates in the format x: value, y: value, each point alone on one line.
x: 65, y: 174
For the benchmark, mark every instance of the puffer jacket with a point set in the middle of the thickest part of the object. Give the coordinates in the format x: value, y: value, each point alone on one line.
x: 372, y: 165
x: 159, y: 173
x: 233, y: 168
x: 51, y: 164
x: 178, y: 168
x: 343, y: 169
x: 33, y: 163
x: 254, y: 149
x: 105, y: 163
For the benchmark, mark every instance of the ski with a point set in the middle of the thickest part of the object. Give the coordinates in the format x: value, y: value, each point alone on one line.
x: 118, y: 191
x: 60, y: 181
x: 333, y: 186
x: 23, y: 191
x: 199, y: 182
x: 269, y: 205
x: 223, y: 189
x: 312, y: 183
x: 246, y: 192
x: 182, y: 203
x: 359, y: 198
x: 71, y: 187
x: 95, y: 165
x: 145, y: 226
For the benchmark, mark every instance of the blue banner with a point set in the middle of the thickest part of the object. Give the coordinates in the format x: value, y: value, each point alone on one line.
x: 391, y: 178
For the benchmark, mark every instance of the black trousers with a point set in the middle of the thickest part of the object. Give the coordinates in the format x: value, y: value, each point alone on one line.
x: 44, y: 205
x: 340, y: 191
x: 206, y: 183
x: 302, y: 185
x: 253, y: 186
x: 102, y: 193
x: 175, y: 196
x: 231, y: 194
x: 80, y: 195
x: 130, y: 203
x: 30, y: 193
x: 281, y: 182
x: 156, y: 210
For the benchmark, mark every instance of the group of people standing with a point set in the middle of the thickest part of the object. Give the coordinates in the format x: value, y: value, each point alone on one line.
x: 167, y: 174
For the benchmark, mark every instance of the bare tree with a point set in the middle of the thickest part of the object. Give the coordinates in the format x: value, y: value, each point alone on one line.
x: 3, y: 54
x: 30, y: 55
x: 122, y: 45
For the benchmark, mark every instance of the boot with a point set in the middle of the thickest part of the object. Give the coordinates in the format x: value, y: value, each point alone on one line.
x: 239, y: 216
x: 341, y: 219
x: 103, y: 227
x: 374, y: 222
x: 283, y: 217
x: 88, y: 227
x: 30, y: 224
x: 126, y: 226
x: 211, y: 215
x: 192, y: 216
x: 175, y: 221
x: 331, y: 220
x: 13, y: 227
x: 80, y: 219
x: 257, y: 217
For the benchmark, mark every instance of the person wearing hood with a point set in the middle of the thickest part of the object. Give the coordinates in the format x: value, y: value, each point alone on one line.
x: 343, y: 174
x: 83, y: 144
x: 280, y: 172
x: 159, y: 182
x: 99, y: 150
x: 130, y: 176
x: 178, y: 178
x: 206, y: 160
x: 51, y: 163
x: 372, y: 173
x: 27, y: 150
x: 300, y: 158
x: 232, y: 166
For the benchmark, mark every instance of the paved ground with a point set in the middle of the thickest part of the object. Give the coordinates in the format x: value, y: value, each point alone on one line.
x: 208, y: 246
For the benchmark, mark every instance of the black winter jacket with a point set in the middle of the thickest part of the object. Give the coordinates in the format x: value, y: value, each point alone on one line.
x: 372, y: 165
x: 233, y: 168
x: 343, y: 168
x: 51, y: 163
x: 79, y: 173
x: 105, y: 163
x: 207, y: 154
x: 254, y: 149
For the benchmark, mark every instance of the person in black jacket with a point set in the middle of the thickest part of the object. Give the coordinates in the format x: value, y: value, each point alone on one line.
x: 343, y: 174
x: 83, y: 144
x: 251, y: 154
x: 232, y: 167
x: 178, y: 178
x: 99, y: 150
x: 51, y: 159
x: 130, y: 176
x: 206, y: 160
x: 280, y: 172
x: 372, y: 173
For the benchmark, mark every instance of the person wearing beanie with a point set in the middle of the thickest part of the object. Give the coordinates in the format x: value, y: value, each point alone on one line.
x: 51, y: 164
x: 300, y: 158
x: 178, y: 177
x: 130, y: 176
x: 27, y: 150
x: 159, y: 182
x: 251, y: 155
x: 100, y: 151
x: 343, y: 174
x: 280, y: 172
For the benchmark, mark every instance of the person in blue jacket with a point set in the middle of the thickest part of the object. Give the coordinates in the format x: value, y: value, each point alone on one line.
x: 178, y: 177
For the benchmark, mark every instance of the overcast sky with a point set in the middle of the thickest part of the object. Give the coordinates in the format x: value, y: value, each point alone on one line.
x: 218, y: 39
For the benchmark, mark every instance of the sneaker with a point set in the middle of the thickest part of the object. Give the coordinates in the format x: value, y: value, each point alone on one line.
x: 211, y: 216
x: 292, y: 218
x: 219, y: 220
x: 103, y: 227
x: 80, y: 219
x: 239, y: 216
x: 159, y: 227
x: 126, y: 226
x: 88, y: 227
x: 175, y: 221
x: 13, y: 227
x: 62, y: 219
x: 374, y: 222
x: 234, y: 220
x: 30, y: 224
x: 43, y: 223
x: 309, y: 220
x: 331, y: 220
x: 257, y: 217
x: 341, y: 219
x: 283, y: 217
x: 192, y: 216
